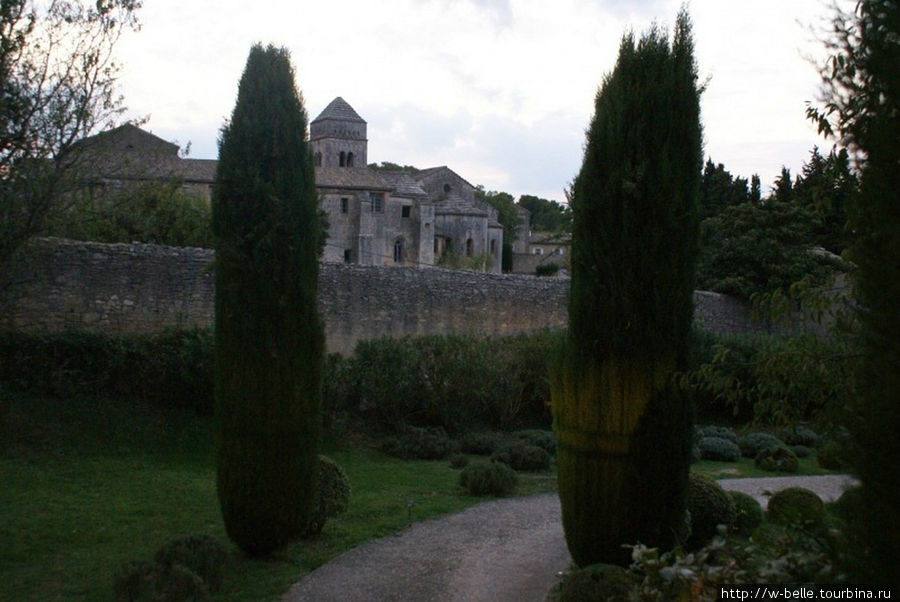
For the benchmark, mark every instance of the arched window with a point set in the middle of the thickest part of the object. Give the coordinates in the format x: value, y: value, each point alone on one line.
x: 470, y: 247
x: 494, y: 248
x: 342, y: 159
x: 318, y: 160
x: 398, y: 251
x: 349, y: 159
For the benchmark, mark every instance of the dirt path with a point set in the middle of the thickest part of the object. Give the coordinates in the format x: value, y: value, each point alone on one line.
x: 504, y: 550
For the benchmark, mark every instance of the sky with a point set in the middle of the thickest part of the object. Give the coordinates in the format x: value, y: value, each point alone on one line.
x: 501, y: 91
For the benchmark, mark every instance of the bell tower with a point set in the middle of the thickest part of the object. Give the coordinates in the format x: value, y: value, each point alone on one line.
x: 338, y: 136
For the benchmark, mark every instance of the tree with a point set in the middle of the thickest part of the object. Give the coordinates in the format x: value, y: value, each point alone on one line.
x: 58, y: 75
x: 623, y: 426
x: 861, y: 108
x: 719, y: 189
x: 269, y: 338
x: 825, y: 188
x: 546, y: 215
x: 508, y: 216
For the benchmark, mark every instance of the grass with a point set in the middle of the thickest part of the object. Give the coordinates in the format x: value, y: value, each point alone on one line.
x: 89, y: 484
x: 746, y: 468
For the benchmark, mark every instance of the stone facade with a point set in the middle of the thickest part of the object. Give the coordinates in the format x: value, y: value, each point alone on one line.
x: 56, y: 285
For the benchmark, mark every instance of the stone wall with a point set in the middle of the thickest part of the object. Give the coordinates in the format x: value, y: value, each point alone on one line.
x: 57, y: 285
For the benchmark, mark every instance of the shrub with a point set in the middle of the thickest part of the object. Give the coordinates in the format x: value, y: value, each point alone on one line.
x: 481, y: 443
x: 801, y: 451
x: 716, y: 448
x: 753, y: 443
x: 152, y: 582
x: 831, y: 455
x: 849, y: 505
x: 538, y: 438
x: 546, y: 269
x: 332, y: 495
x: 596, y: 583
x: 796, y: 506
x: 416, y: 443
x: 799, y: 435
x: 488, y: 478
x: 521, y: 456
x: 458, y: 461
x: 777, y: 458
x: 204, y: 555
x: 748, y: 513
x: 722, y: 432
x: 709, y: 506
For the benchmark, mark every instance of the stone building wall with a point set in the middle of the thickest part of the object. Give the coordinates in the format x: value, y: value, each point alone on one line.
x: 58, y: 285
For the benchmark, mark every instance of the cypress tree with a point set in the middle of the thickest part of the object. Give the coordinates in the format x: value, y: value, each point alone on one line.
x: 269, y: 338
x: 623, y: 426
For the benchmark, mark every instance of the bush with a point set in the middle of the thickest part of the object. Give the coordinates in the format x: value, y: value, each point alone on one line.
x: 152, y: 582
x: 488, y: 478
x: 481, y: 443
x: 546, y: 269
x: 801, y: 451
x: 753, y: 443
x: 596, y: 583
x: 796, y: 506
x: 799, y: 435
x: 777, y: 458
x: 709, y: 506
x: 748, y: 514
x: 539, y: 438
x: 416, y: 443
x: 521, y: 456
x: 204, y: 555
x: 458, y: 461
x: 722, y: 432
x: 332, y: 495
x: 716, y: 448
x: 832, y: 455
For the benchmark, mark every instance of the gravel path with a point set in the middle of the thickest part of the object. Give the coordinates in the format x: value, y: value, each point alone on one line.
x: 504, y: 550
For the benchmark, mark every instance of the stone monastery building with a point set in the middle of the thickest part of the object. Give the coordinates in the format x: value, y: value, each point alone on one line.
x: 380, y: 217
x: 376, y: 217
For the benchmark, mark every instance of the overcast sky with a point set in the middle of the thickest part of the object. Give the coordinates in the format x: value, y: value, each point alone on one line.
x: 501, y: 91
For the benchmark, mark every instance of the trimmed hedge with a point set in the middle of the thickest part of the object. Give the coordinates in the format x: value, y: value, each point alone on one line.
x: 488, y: 478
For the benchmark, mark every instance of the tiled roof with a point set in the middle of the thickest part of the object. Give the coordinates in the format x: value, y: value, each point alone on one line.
x: 361, y: 178
x: 403, y: 184
x: 339, y: 110
x: 454, y: 204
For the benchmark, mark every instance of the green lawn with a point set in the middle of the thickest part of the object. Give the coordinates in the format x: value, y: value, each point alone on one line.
x: 90, y: 484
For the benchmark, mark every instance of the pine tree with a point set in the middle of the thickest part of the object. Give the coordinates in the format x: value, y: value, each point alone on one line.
x: 623, y: 426
x: 269, y: 338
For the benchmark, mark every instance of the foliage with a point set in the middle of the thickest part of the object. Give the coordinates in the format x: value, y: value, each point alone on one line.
x: 488, y: 478
x: 622, y: 467
x: 777, y: 458
x: 719, y: 189
x: 797, y: 506
x: 539, y: 438
x: 332, y: 495
x: 709, y: 506
x: 748, y: 514
x: 799, y: 434
x: 546, y: 269
x: 474, y: 263
x: 172, y: 368
x: 712, y: 430
x: 154, y: 582
x: 832, y: 455
x: 522, y: 456
x: 717, y: 448
x: 59, y: 85
x: 157, y: 213
x: 753, y: 443
x: 269, y: 337
x: 481, y: 443
x: 459, y: 461
x: 508, y: 216
x: 861, y: 98
x: 203, y: 555
x: 415, y: 443
x: 546, y: 215
x: 595, y: 583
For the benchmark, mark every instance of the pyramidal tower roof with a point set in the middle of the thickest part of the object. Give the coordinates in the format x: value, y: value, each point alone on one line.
x: 339, y: 110
x: 338, y: 120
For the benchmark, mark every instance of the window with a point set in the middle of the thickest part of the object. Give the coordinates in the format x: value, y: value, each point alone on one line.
x: 377, y: 199
x: 345, y: 202
x: 342, y: 160
x: 537, y: 251
x: 470, y: 247
x: 559, y: 251
x: 349, y: 159
x: 348, y: 256
x: 447, y: 188
x: 318, y: 160
x: 398, y: 251
x: 494, y: 248
x: 404, y: 211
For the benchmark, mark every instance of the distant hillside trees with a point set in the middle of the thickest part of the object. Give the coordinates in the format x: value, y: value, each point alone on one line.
x: 622, y: 424
x: 269, y: 338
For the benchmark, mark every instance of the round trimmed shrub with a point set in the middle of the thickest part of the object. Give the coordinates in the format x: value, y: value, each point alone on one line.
x: 488, y: 478
x: 538, y: 438
x: 799, y: 435
x: 796, y: 506
x: 850, y: 504
x: 458, y: 461
x: 416, y: 443
x: 482, y: 443
x: 202, y: 554
x: 709, y: 505
x: 777, y: 458
x: 711, y: 430
x: 831, y: 456
x: 801, y: 451
x: 142, y: 581
x: 717, y: 448
x: 753, y: 443
x: 596, y: 583
x: 748, y: 513
x: 332, y: 495
x: 521, y: 456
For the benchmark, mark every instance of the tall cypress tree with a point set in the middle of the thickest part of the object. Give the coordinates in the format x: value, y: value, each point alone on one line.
x: 622, y: 424
x: 269, y: 338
